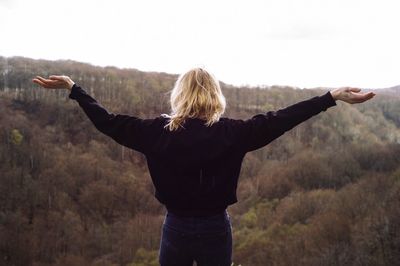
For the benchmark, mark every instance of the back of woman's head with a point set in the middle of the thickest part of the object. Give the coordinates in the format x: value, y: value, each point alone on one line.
x: 196, y: 94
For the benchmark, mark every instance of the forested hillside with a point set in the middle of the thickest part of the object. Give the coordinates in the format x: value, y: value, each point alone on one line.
x: 325, y: 193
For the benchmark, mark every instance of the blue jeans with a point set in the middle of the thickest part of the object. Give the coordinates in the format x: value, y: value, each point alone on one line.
x: 206, y: 240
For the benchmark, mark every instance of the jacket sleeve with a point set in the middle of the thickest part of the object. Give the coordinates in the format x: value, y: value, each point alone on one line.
x: 263, y: 128
x: 125, y: 129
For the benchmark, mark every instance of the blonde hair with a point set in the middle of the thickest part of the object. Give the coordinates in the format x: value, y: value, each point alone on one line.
x: 196, y: 94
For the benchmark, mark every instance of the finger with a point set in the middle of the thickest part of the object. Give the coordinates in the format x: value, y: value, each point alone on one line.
x: 49, y: 84
x: 355, y: 89
x: 41, y: 78
x: 47, y: 81
x: 364, y: 97
x: 367, y: 94
x: 362, y: 94
x: 53, y: 77
x: 44, y: 85
x: 37, y: 81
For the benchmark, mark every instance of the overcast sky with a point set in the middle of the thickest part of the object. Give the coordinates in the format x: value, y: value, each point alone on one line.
x: 303, y: 43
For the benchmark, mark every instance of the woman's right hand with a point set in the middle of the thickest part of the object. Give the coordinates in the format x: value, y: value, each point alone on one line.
x: 55, y: 82
x: 351, y: 95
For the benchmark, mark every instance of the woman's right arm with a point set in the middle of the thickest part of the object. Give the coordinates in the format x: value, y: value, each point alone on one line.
x: 125, y: 129
x: 263, y: 128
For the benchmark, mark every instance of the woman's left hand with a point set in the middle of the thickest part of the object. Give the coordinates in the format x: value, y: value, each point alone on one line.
x: 351, y: 95
x: 55, y: 82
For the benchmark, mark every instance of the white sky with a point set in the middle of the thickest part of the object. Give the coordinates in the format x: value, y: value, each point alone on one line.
x: 304, y: 43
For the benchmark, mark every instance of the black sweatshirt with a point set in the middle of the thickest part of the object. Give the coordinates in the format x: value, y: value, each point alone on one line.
x: 195, y: 170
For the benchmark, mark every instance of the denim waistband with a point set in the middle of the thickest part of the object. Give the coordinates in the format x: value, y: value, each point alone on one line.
x: 210, y: 224
x: 196, y: 212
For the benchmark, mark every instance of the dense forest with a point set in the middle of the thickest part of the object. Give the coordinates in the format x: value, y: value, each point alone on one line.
x: 325, y: 193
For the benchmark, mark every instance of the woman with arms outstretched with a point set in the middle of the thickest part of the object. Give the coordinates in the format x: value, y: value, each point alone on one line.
x: 194, y: 156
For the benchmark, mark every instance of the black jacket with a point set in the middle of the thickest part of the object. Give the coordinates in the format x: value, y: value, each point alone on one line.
x: 195, y: 170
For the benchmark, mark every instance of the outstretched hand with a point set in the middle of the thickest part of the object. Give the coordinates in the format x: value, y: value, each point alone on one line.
x: 54, y: 82
x: 351, y: 95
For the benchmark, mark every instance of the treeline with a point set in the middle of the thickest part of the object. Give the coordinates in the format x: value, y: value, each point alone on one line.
x: 325, y: 193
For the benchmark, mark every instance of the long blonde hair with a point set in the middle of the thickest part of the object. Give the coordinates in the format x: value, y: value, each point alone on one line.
x: 196, y: 94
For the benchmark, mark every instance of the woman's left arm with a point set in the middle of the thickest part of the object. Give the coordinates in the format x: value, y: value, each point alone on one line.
x: 265, y: 127
x: 124, y: 129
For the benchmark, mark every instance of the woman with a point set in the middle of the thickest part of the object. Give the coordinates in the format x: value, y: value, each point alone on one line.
x: 194, y: 156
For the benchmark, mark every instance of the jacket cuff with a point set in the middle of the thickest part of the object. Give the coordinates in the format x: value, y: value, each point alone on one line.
x: 327, y: 100
x: 75, y: 91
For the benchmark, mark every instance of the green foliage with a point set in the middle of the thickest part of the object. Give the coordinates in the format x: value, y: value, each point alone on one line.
x: 145, y: 257
x: 16, y: 137
x: 249, y: 219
